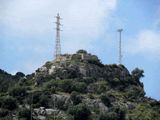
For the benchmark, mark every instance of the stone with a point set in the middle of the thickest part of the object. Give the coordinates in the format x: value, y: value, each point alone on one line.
x: 52, y: 112
x: 95, y: 104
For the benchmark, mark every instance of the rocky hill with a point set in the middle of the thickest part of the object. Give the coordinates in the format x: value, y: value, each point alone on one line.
x: 76, y: 87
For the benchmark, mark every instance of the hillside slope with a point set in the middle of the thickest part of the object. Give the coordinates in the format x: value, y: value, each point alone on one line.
x: 78, y: 87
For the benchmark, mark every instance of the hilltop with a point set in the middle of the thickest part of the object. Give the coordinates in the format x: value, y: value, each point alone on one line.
x: 76, y: 87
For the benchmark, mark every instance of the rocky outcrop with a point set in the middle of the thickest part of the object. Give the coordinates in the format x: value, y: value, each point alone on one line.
x: 40, y: 113
x: 95, y: 104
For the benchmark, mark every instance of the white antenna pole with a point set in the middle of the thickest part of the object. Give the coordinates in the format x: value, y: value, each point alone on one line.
x: 120, y: 54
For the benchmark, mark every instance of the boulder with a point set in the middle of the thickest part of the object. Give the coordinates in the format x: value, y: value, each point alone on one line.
x: 95, y: 104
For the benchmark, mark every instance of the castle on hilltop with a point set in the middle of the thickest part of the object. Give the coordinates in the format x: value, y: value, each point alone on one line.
x: 81, y: 54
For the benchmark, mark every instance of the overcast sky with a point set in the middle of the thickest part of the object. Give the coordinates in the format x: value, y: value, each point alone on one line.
x: 27, y: 34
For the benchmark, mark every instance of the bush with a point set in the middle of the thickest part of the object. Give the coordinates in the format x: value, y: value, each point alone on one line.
x: 60, y: 104
x: 137, y: 74
x: 24, y: 113
x: 22, y: 82
x: 8, y: 103
x: 51, y: 84
x: 135, y: 92
x: 65, y: 85
x: 106, y: 100
x: 18, y: 92
x: 115, y: 82
x: 109, y: 116
x: 44, y: 100
x: 48, y: 64
x: 3, y: 113
x: 79, y: 112
x: 76, y: 98
x: 154, y: 103
x: 95, y: 62
x: 121, y: 112
x: 114, y: 65
x: 39, y: 99
x: 90, y: 96
x: 35, y: 96
x: 69, y: 86
x: 87, y: 80
x: 79, y: 87
x: 9, y: 117
x: 19, y: 75
x: 102, y: 87
x: 40, y: 79
x: 82, y: 51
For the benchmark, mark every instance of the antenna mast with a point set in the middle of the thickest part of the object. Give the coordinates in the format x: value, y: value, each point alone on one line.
x: 120, y: 54
x: 57, y: 44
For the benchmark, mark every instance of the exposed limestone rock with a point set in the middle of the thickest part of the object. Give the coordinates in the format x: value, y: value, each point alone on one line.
x: 52, y: 112
x: 95, y: 104
x: 65, y: 100
x: 40, y: 113
x: 52, y: 70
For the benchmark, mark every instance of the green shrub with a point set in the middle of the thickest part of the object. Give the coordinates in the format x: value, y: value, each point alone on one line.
x: 38, y: 99
x: 95, y: 62
x: 120, y: 110
x: 90, y: 96
x: 9, y: 117
x: 79, y: 87
x: 53, y: 90
x: 102, y: 87
x: 48, y: 64
x: 65, y: 85
x: 25, y: 82
x: 154, y: 103
x: 52, y: 84
x: 44, y: 100
x: 18, y: 92
x: 76, y: 98
x: 137, y: 74
x: 8, y: 103
x: 22, y: 82
x: 82, y: 51
x: 115, y: 82
x: 19, y: 75
x: 88, y: 80
x: 70, y: 85
x: 35, y: 96
x: 59, y: 118
x: 109, y: 116
x: 114, y: 65
x: 121, y: 66
x: 135, y: 92
x: 70, y: 117
x: 106, y: 100
x: 49, y: 117
x: 3, y: 113
x: 72, y: 73
x: 40, y: 79
x: 24, y: 113
x: 79, y: 112
x: 60, y: 104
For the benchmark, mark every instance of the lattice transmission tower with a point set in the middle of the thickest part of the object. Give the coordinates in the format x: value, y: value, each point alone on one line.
x: 57, y: 44
x: 120, y: 48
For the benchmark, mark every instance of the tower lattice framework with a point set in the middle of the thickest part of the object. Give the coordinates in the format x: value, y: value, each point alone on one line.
x: 120, y: 47
x: 57, y: 44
